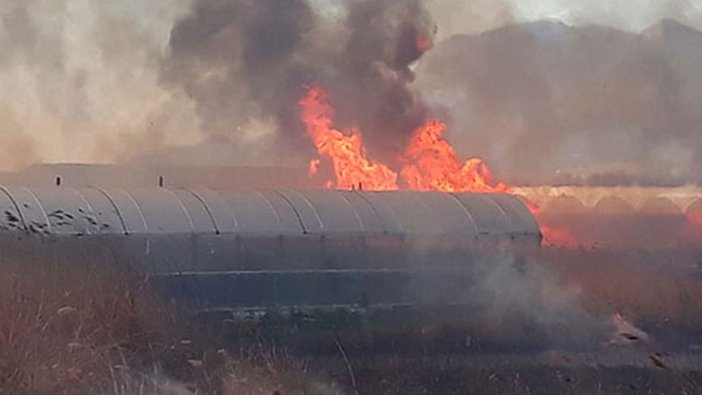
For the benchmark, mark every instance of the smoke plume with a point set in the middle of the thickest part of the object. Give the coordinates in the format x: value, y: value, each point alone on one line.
x: 547, y: 102
x: 250, y: 59
x: 218, y: 81
x: 517, y: 295
x: 79, y: 81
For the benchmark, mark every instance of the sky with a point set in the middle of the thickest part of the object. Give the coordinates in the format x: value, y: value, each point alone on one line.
x: 475, y: 16
x: 64, y: 98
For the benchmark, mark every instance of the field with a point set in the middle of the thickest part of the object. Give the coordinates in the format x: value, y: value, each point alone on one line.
x: 566, y: 321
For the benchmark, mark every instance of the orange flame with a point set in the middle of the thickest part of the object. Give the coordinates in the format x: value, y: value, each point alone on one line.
x: 553, y: 236
x: 432, y: 165
x: 351, y: 166
x: 696, y: 219
x: 423, y: 44
x: 429, y: 164
x: 691, y: 233
x: 314, y: 167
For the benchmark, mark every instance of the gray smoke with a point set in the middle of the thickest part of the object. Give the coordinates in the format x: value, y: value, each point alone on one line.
x: 78, y: 81
x: 251, y: 59
x: 477, y: 16
x: 218, y: 81
x: 527, y: 298
x: 547, y: 102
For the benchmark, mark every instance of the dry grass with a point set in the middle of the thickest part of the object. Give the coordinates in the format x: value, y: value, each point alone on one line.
x: 67, y: 328
x: 652, y: 292
x: 95, y: 328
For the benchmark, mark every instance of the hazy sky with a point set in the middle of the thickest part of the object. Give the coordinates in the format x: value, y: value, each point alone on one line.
x: 79, y: 78
x: 472, y: 16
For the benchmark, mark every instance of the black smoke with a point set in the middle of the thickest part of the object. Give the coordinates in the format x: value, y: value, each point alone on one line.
x: 251, y: 59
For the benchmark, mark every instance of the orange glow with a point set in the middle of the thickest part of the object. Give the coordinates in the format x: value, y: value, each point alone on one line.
x: 432, y: 165
x: 314, y: 167
x: 423, y: 44
x: 553, y: 236
x: 557, y: 237
x: 351, y: 166
x: 429, y: 163
x: 691, y: 233
x: 695, y: 218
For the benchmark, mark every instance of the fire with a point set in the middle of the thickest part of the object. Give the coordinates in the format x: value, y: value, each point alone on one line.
x: 691, y: 233
x: 432, y: 165
x: 429, y: 163
x: 554, y: 235
x: 557, y: 237
x: 696, y: 219
x: 314, y: 167
x: 346, y: 152
x: 423, y: 44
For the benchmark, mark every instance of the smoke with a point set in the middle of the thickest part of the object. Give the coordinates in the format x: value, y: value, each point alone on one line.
x: 527, y: 299
x: 79, y: 81
x: 244, y: 60
x: 182, y: 81
x: 590, y: 100
x: 477, y: 16
x: 629, y: 15
x: 577, y: 298
x: 547, y: 102
x: 470, y: 17
x: 16, y: 148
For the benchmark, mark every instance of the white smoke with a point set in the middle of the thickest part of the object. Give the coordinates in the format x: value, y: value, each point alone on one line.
x: 476, y: 16
x: 80, y: 78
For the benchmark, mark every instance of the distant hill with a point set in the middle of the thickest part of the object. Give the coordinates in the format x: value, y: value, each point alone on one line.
x: 545, y: 101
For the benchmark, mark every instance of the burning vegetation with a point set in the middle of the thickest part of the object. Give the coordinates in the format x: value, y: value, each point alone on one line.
x: 429, y: 162
x: 346, y: 152
x: 271, y: 62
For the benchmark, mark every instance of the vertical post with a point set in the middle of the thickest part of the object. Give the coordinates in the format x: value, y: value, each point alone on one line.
x: 58, y: 181
x: 160, y: 181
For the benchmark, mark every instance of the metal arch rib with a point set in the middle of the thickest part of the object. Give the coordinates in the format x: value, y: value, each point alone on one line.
x: 41, y: 207
x: 114, y: 206
x: 136, y: 205
x: 270, y: 205
x: 508, y: 217
x: 355, y: 212
x: 88, y: 205
x: 314, y: 210
x: 508, y: 221
x: 228, y: 208
x: 182, y: 207
x: 207, y: 209
x: 465, y: 211
x: 14, y: 203
x: 375, y: 211
x: 294, y: 209
x: 487, y: 199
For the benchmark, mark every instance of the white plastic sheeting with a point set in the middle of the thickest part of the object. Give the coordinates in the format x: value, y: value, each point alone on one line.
x: 86, y: 211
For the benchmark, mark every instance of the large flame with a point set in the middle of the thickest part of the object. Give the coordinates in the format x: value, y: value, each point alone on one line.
x: 429, y: 163
x: 346, y: 152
